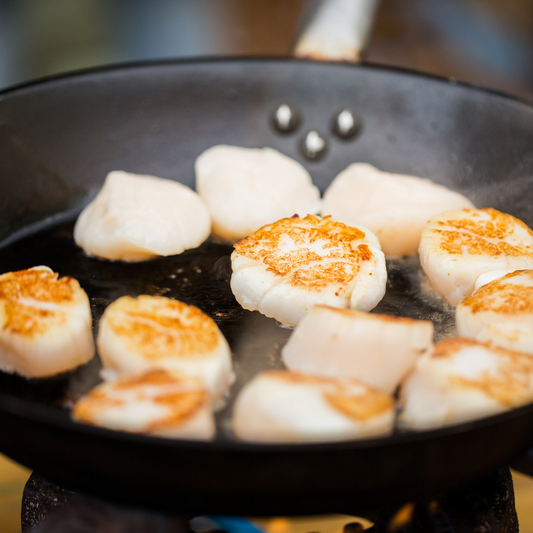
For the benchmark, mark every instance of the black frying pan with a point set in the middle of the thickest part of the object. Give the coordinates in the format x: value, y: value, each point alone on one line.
x: 58, y: 140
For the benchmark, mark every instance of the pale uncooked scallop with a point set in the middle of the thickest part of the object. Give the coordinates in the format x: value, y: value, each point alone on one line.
x: 458, y: 246
x: 500, y: 312
x: 152, y: 332
x: 138, y: 217
x: 158, y: 403
x: 246, y: 188
x: 395, y: 207
x: 45, y: 323
x: 377, y: 349
x: 463, y: 380
x: 280, y: 406
x: 286, y: 268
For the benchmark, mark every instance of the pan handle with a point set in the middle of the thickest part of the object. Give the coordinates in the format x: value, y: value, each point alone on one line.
x: 337, y: 31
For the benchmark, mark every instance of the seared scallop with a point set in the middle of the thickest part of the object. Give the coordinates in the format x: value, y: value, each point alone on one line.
x: 279, y: 406
x: 246, y: 188
x: 377, y: 349
x: 501, y: 312
x: 464, y: 380
x: 491, y: 275
x: 157, y: 403
x: 458, y: 246
x: 46, y: 323
x: 511, y: 335
x: 394, y: 207
x: 285, y: 268
x: 137, y: 217
x: 153, y: 332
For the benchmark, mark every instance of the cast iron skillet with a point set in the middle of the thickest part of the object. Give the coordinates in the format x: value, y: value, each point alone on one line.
x: 59, y: 138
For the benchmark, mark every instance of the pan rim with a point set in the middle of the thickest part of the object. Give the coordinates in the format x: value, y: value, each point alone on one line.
x: 111, y: 68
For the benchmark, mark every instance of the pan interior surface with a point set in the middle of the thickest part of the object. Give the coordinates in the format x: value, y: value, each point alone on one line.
x: 60, y: 138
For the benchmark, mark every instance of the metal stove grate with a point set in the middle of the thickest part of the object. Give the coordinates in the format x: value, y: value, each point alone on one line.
x: 486, y: 506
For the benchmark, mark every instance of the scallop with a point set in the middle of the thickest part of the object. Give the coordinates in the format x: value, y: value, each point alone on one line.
x: 46, y: 323
x: 491, y: 275
x: 280, y: 406
x: 395, y: 207
x: 463, y: 380
x: 500, y: 312
x: 153, y: 332
x: 138, y: 217
x: 285, y: 268
x: 377, y: 349
x: 458, y: 246
x: 511, y: 335
x: 246, y: 188
x: 158, y: 403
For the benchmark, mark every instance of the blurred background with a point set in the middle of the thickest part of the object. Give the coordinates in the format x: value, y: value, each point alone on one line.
x: 485, y: 42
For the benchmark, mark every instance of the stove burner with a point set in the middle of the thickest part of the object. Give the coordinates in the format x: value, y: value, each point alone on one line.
x: 486, y: 506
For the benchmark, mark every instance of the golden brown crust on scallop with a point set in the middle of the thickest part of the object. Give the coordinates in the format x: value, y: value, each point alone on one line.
x: 302, y: 266
x: 29, y: 321
x: 502, y: 297
x: 483, y: 237
x: 299, y: 378
x: 509, y: 385
x: 159, y: 327
x: 504, y: 390
x: 448, y: 347
x: 362, y: 405
x: 361, y: 408
x: 179, y: 405
x: 41, y: 286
